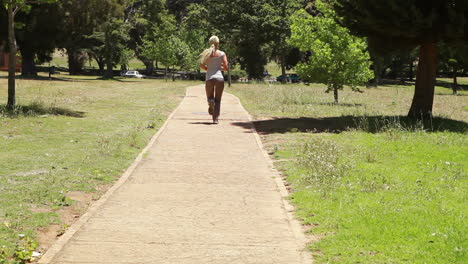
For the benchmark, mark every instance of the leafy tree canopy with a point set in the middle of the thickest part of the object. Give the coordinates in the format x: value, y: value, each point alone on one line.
x: 396, y: 24
x: 406, y: 23
x: 337, y: 58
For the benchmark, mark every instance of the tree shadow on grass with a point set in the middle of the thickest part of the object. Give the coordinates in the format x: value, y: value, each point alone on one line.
x: 448, y: 85
x: 124, y: 80
x: 52, y: 79
x: 41, y: 78
x: 37, y: 109
x: 371, y: 124
x: 339, y: 104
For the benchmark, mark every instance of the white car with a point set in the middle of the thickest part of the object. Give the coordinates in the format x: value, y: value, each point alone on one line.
x: 133, y: 74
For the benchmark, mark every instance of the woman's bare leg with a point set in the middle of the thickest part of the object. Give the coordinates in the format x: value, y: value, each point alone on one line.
x: 210, y: 89
x: 219, y: 89
x: 210, y: 95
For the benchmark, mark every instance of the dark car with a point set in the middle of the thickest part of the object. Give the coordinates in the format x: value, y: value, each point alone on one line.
x: 290, y: 77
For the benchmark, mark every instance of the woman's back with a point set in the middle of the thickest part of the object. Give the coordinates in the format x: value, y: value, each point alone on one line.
x: 214, y: 65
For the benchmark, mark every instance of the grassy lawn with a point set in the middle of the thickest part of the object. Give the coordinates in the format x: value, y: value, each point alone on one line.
x: 372, y: 186
x: 67, y: 141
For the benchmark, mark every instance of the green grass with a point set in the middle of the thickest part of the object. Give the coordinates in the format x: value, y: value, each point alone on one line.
x: 373, y: 186
x: 76, y: 134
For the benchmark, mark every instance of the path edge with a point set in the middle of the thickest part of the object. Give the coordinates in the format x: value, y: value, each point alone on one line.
x: 294, y: 223
x: 55, y: 249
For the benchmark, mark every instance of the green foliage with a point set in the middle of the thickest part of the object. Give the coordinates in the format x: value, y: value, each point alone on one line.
x: 165, y: 44
x: 143, y: 15
x: 395, y: 23
x: 115, y: 38
x: 454, y: 59
x: 82, y: 23
x: 35, y: 40
x: 251, y: 30
x: 193, y: 31
x: 109, y: 45
x: 22, y: 253
x: 180, y: 8
x: 337, y: 58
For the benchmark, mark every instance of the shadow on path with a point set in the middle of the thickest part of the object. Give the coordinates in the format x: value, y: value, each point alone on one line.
x: 371, y: 124
x: 202, y: 123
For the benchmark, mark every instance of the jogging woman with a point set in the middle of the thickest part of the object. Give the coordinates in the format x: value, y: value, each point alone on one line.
x: 214, y: 61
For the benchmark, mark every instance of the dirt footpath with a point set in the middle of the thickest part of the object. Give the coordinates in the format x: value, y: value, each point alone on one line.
x: 202, y: 193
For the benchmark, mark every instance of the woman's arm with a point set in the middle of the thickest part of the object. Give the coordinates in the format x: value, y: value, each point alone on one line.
x: 225, y: 65
x: 203, y: 67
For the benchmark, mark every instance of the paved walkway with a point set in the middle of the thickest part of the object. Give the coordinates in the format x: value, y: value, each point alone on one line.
x: 202, y: 194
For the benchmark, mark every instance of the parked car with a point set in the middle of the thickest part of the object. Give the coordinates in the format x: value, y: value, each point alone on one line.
x: 133, y: 74
x: 290, y: 77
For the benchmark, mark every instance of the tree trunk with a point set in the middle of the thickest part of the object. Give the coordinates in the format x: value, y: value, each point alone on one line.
x: 335, y: 93
x: 108, y: 57
x: 12, y: 58
x: 149, y: 66
x: 411, y: 71
x: 425, y: 82
x: 101, y: 64
x: 123, y: 68
x: 75, y: 61
x: 283, y: 69
x: 165, y: 74
x: 173, y: 73
x: 28, y: 66
x: 455, y: 82
x: 109, y: 74
x: 229, y: 75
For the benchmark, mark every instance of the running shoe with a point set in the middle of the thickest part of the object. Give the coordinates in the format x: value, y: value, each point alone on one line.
x: 211, y: 106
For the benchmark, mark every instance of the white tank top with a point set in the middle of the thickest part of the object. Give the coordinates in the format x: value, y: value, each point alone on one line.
x: 214, y: 67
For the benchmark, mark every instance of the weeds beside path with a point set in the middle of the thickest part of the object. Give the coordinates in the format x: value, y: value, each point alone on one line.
x: 64, y: 143
x: 374, y: 186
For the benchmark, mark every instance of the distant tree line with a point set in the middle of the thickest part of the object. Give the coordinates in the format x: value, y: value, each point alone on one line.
x: 394, y: 39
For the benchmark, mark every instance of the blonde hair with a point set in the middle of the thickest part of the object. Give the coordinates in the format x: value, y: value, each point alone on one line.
x: 206, y: 54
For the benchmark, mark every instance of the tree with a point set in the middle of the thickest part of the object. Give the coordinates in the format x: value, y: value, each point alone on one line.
x: 454, y: 60
x: 80, y: 19
x: 336, y: 57
x: 115, y: 38
x: 96, y: 49
x: 13, y: 7
x: 395, y: 24
x: 180, y: 8
x: 125, y: 57
x: 38, y: 40
x: 194, y: 29
x: 143, y: 15
x: 282, y: 51
x: 251, y: 27
x: 159, y: 44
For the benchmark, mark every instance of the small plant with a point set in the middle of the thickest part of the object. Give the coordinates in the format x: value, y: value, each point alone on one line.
x: 4, y: 254
x: 323, y: 162
x: 25, y: 250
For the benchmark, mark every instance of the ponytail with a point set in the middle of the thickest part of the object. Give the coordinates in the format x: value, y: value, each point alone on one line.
x: 206, y: 54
